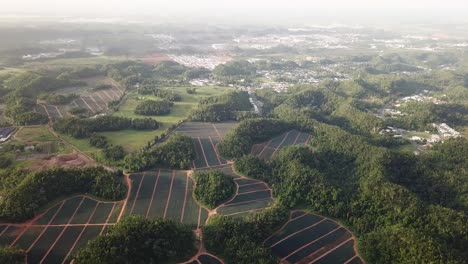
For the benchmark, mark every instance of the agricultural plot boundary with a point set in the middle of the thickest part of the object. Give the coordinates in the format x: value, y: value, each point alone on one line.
x: 311, y: 238
x: 54, y: 235
x: 167, y: 194
x: 95, y: 103
x: 269, y: 149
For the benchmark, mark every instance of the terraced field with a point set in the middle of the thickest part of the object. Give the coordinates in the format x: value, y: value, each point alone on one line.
x: 268, y: 150
x: 205, y: 138
x: 167, y: 194
x: 53, y: 236
x: 95, y: 102
x: 310, y: 238
x: 251, y: 195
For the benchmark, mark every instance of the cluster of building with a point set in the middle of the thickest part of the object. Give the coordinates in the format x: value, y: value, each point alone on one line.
x: 209, y: 62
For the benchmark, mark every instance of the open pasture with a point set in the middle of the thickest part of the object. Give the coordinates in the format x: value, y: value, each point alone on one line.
x: 165, y: 194
x: 268, y: 150
x: 54, y: 235
x: 310, y: 238
x: 205, y: 138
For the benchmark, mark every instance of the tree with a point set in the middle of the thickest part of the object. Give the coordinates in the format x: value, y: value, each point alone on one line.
x: 138, y: 240
x: 213, y: 188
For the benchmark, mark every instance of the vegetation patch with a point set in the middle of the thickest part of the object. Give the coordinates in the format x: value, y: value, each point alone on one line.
x: 137, y: 240
x: 151, y: 107
x: 213, y: 188
x: 24, y: 200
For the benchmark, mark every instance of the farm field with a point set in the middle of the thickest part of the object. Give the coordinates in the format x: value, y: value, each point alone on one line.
x: 132, y: 140
x: 53, y: 236
x: 167, y: 194
x: 268, y: 150
x: 251, y: 195
x: 94, y: 101
x: 310, y: 238
x: 205, y: 138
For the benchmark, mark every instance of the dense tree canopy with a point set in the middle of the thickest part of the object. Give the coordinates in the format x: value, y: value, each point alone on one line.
x: 221, y: 108
x: 177, y: 152
x: 151, y: 107
x: 239, y: 240
x: 138, y: 240
x: 24, y: 200
x: 85, y: 127
x: 213, y: 187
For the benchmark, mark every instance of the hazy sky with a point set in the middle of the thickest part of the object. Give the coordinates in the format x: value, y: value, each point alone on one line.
x: 248, y: 9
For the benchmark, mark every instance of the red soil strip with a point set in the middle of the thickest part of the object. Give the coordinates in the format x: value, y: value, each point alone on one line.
x: 79, y: 236
x: 43, y: 231
x: 129, y: 184
x: 295, y: 218
x: 58, y: 110
x: 112, y: 90
x: 263, y: 190
x: 295, y: 140
x: 249, y: 184
x: 256, y: 200
x: 152, y: 195
x: 297, y: 232
x: 185, y: 199
x: 279, y: 146
x: 102, y: 98
x: 247, y: 211
x: 310, y: 243
x: 216, y: 151
x: 87, y: 104
x: 61, y: 233
x: 169, y: 195
x: 47, y: 111
x: 203, y: 151
x: 111, y: 98
x: 351, y: 259
x: 264, y: 148
x: 4, y: 230
x: 199, y: 216
x: 217, y: 132
x: 331, y: 250
x: 92, y: 98
x: 137, y: 193
x: 108, y: 217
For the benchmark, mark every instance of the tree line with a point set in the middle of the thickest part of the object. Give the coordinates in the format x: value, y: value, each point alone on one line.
x: 37, y: 189
x: 80, y: 128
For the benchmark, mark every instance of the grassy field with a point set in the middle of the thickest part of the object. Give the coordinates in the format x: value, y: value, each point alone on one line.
x: 131, y: 139
x: 42, y: 138
x: 89, y: 61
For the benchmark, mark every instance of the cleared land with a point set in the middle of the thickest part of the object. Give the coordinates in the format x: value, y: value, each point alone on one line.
x: 132, y: 140
x: 310, y: 238
x: 205, y: 138
x: 166, y: 194
x: 94, y: 101
x: 268, y: 150
x: 53, y: 236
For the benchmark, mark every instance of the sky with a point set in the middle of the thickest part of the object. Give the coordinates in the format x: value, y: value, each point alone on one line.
x: 279, y: 10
